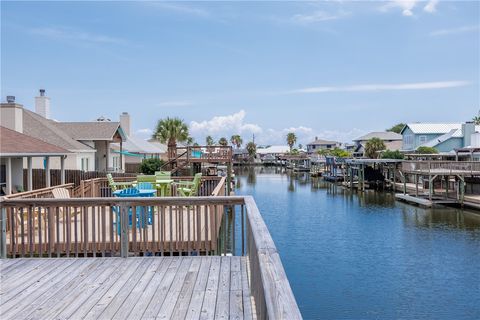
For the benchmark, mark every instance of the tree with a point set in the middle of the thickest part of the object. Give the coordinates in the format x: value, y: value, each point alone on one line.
x: 476, y: 119
x: 397, y: 128
x: 209, y: 141
x: 171, y: 131
x: 223, y: 141
x: 390, y: 154
x: 300, y: 146
x: 251, y: 149
x: 291, y: 139
x: 236, y: 140
x: 340, y: 153
x: 373, y: 146
x: 190, y: 141
x: 426, y: 150
x: 150, y: 165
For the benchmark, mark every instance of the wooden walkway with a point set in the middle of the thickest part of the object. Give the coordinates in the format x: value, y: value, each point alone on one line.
x: 207, y: 287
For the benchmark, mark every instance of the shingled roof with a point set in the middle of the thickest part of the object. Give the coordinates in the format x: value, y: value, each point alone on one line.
x: 13, y: 143
x: 94, y: 130
x: 46, y: 130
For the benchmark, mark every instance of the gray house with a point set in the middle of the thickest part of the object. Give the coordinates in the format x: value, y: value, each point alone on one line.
x: 392, y: 141
x: 445, y: 137
x: 320, y: 144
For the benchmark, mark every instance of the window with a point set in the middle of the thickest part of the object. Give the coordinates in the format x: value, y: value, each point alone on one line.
x: 422, y: 139
x: 84, y: 164
x: 408, y: 140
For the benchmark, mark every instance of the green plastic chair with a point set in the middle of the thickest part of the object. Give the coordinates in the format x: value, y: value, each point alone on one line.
x: 117, y: 185
x: 164, y: 175
x: 189, y: 188
x: 146, y: 178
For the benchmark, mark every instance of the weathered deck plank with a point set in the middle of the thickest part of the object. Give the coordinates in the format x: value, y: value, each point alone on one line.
x: 192, y: 287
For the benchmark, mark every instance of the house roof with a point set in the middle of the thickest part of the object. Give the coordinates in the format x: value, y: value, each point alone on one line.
x: 13, y: 143
x: 159, y: 145
x: 432, y: 128
x: 35, y: 125
x: 273, y: 149
x: 394, y: 145
x: 322, y: 142
x: 383, y: 135
x: 137, y: 145
x: 92, y: 130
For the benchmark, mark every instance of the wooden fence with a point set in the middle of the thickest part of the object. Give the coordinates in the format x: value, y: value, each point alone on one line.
x: 161, y: 226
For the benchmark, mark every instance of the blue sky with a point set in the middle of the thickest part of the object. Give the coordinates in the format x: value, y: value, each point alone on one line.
x: 332, y: 69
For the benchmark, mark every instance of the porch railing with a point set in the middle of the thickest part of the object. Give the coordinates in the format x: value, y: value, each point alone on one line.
x: 152, y: 226
x: 442, y: 167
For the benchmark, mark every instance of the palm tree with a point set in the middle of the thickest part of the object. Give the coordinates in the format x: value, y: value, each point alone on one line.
x: 291, y: 139
x: 209, y: 140
x: 171, y: 131
x: 476, y: 119
x: 373, y: 146
x: 236, y: 140
x: 251, y: 149
x: 223, y: 141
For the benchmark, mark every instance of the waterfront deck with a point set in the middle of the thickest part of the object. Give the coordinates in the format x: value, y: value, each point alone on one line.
x: 209, y: 287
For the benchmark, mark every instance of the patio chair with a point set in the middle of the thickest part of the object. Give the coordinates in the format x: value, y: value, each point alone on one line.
x: 129, y: 192
x: 144, y: 185
x: 117, y: 185
x: 189, y: 188
x: 146, y: 178
x: 164, y: 175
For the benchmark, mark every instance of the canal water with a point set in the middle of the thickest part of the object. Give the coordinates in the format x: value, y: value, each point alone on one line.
x: 367, y: 256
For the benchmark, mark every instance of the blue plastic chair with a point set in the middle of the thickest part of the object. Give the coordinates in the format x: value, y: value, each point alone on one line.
x: 144, y: 186
x: 131, y: 192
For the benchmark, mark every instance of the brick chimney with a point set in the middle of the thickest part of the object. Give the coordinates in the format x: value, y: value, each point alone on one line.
x: 125, y: 122
x: 42, y: 104
x: 11, y: 115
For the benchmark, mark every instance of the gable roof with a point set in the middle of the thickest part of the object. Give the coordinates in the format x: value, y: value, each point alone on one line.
x: 13, y: 143
x: 35, y: 125
x: 322, y: 142
x: 137, y: 145
x: 383, y: 135
x: 432, y: 128
x: 94, y: 130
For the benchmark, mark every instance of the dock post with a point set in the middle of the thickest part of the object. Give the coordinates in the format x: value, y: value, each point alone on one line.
x: 430, y: 187
x: 446, y: 187
x: 416, y: 185
x: 229, y: 178
x: 3, y: 244
x: 394, y: 178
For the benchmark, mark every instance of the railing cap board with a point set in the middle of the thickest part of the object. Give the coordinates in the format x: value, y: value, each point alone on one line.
x: 37, y: 191
x: 279, y: 298
x: 113, y: 201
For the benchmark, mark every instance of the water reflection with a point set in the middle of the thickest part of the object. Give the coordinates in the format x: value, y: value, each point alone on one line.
x: 363, y: 255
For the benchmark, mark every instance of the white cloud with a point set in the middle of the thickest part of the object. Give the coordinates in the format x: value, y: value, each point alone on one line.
x: 64, y: 33
x: 180, y: 8
x: 316, y: 16
x: 224, y: 126
x: 176, y: 103
x: 383, y: 87
x: 407, y: 6
x: 445, y: 32
x: 431, y: 6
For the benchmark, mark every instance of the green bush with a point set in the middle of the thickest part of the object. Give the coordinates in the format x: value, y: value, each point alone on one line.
x: 426, y: 150
x: 150, y: 165
x: 389, y: 154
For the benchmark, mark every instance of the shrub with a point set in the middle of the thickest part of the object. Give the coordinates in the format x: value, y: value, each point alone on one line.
x: 390, y: 154
x: 150, y: 165
x: 426, y: 150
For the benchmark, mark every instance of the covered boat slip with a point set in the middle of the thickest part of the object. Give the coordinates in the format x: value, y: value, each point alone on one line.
x: 209, y: 287
x: 236, y: 273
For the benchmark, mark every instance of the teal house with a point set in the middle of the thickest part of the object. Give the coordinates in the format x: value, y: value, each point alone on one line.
x: 445, y: 137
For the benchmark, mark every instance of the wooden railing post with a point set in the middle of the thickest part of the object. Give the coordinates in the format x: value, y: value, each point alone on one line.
x: 3, y: 244
x: 124, y: 231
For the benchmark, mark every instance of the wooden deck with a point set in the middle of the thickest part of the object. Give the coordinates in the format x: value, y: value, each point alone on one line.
x: 207, y: 287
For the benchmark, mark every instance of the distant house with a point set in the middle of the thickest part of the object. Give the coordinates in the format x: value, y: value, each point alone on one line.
x: 320, y: 144
x: 89, y: 143
x: 445, y: 137
x: 273, y: 150
x: 392, y: 141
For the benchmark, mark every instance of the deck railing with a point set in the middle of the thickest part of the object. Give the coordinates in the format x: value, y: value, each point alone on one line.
x: 40, y: 193
x: 442, y: 167
x: 99, y: 187
x: 152, y: 226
